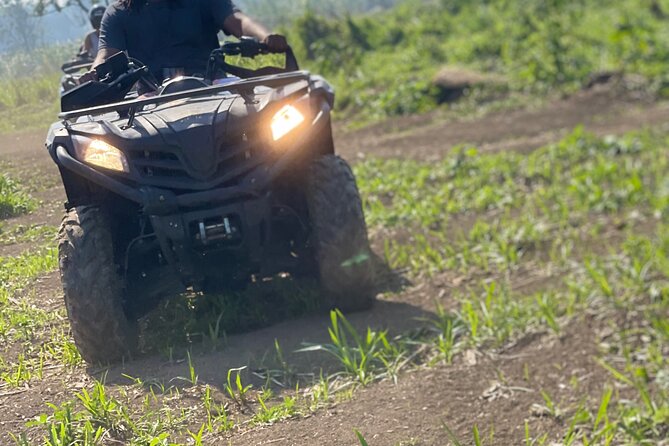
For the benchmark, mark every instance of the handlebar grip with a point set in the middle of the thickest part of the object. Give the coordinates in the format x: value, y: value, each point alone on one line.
x: 247, y: 47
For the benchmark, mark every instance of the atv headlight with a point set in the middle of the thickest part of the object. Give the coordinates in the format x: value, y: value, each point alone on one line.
x: 99, y: 153
x: 285, y: 121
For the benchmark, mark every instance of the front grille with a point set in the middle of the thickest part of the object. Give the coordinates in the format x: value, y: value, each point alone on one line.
x: 159, y: 164
x: 168, y: 167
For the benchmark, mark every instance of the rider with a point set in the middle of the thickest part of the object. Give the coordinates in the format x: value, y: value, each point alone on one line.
x: 91, y: 42
x: 175, y: 36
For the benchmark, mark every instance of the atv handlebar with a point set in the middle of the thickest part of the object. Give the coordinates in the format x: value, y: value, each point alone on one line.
x: 247, y: 47
x: 116, y: 77
x: 118, y: 74
x: 76, y: 65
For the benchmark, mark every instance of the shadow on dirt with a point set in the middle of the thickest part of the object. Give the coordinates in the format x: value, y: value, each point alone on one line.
x: 388, y: 280
x: 256, y: 350
x: 222, y: 332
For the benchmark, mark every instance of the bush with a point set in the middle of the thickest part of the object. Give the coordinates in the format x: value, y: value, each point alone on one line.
x: 382, y: 62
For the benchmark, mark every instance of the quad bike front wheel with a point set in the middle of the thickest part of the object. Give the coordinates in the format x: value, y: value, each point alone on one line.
x: 93, y: 288
x: 339, y: 235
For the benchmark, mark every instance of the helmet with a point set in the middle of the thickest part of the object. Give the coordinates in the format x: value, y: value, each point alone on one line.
x: 95, y: 15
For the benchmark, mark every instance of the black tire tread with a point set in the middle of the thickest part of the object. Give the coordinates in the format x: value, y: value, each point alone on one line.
x: 92, y: 287
x: 339, y: 233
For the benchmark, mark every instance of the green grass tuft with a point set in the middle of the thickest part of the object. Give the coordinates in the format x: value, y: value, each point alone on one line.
x: 13, y: 201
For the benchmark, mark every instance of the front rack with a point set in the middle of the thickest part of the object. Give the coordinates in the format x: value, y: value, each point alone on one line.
x: 244, y: 87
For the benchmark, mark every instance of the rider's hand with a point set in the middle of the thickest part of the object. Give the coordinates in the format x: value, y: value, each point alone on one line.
x: 276, y: 43
x: 91, y: 75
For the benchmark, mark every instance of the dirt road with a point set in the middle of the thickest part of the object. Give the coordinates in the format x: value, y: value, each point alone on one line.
x: 414, y: 411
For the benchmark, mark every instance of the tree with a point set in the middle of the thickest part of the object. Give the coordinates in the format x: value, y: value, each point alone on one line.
x: 46, y: 6
x: 280, y: 12
x: 20, y: 28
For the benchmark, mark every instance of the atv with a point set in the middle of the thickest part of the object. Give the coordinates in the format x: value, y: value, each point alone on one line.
x: 205, y: 183
x: 72, y: 70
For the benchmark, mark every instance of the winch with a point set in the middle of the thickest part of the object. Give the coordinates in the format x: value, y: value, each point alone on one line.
x: 218, y: 229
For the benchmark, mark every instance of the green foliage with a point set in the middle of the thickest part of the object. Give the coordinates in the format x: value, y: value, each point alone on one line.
x: 15, y: 271
x: 361, y: 438
x: 237, y: 391
x: 66, y: 428
x: 273, y: 12
x: 383, y: 63
x: 19, y: 318
x: 12, y: 200
x: 269, y: 414
x: 449, y: 329
x: 218, y: 419
x: 18, y: 375
x: 476, y: 436
x: 512, y: 210
x: 29, y: 86
x: 27, y: 234
x: 98, y: 414
x: 532, y: 197
x: 364, y: 357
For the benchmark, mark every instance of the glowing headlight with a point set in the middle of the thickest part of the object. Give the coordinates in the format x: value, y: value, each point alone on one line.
x: 99, y: 153
x: 285, y: 121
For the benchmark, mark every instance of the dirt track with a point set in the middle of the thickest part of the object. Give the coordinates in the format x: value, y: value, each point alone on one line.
x: 423, y: 401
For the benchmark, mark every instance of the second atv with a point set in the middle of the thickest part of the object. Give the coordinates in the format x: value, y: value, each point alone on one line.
x: 205, y: 182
